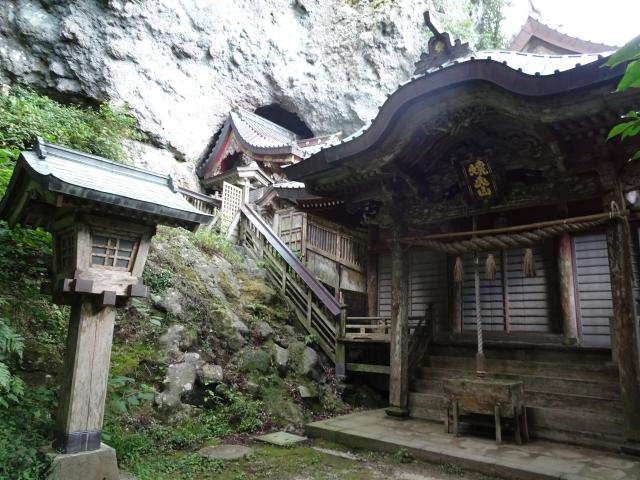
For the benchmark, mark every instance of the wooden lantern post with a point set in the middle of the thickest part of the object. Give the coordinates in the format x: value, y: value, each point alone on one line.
x: 102, y: 216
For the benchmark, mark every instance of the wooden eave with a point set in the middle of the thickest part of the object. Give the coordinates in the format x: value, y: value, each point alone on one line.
x: 334, y: 170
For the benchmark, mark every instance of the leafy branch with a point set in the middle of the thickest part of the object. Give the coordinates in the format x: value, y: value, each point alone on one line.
x: 629, y: 54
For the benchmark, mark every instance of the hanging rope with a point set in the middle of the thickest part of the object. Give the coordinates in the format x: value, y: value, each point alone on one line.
x: 514, y: 240
x: 528, y: 264
x: 490, y: 267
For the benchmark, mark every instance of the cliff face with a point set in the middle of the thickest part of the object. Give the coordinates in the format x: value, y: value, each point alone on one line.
x: 182, y: 64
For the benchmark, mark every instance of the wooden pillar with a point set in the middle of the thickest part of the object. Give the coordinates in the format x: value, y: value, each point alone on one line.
x: 86, y: 374
x: 456, y: 303
x: 625, y: 325
x: 566, y: 280
x: 341, y: 350
x: 372, y: 275
x: 399, y: 365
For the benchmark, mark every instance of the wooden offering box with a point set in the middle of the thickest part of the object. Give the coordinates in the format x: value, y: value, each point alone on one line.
x: 500, y: 398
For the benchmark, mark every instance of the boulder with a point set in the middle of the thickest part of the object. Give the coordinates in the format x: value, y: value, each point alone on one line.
x: 307, y: 393
x: 256, y: 361
x: 309, y: 360
x: 179, y: 381
x: 265, y: 331
x: 170, y: 301
x: 210, y: 374
x: 281, y: 358
x: 169, y: 342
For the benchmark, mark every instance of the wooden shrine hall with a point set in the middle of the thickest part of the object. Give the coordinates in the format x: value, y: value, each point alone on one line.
x: 503, y: 237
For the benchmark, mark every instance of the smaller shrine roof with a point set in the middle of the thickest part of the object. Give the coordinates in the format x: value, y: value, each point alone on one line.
x: 260, y: 132
x: 80, y: 175
x: 553, y: 39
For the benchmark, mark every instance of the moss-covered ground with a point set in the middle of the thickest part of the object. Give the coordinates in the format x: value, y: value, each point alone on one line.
x: 317, y: 460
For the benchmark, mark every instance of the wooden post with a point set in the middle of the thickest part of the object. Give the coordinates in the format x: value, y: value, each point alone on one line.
x: 456, y: 303
x: 84, y: 386
x: 476, y: 280
x: 399, y: 365
x: 626, y: 326
x: 567, y: 290
x: 372, y: 276
x: 341, y: 354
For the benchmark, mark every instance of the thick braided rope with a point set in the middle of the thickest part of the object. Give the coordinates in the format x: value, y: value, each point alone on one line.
x: 506, y: 241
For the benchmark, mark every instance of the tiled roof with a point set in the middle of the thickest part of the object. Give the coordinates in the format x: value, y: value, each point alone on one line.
x: 97, y: 179
x: 260, y: 132
x: 528, y: 63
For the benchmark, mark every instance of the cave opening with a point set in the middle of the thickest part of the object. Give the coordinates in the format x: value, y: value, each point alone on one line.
x: 289, y: 120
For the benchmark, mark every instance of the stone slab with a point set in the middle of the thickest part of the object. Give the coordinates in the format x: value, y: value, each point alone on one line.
x: 98, y: 464
x: 226, y: 452
x: 282, y: 439
x: 537, y: 460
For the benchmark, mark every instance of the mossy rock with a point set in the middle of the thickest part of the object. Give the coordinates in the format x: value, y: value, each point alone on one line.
x: 280, y: 406
x: 256, y: 361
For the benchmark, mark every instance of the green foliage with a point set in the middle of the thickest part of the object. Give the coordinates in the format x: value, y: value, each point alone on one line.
x: 403, y: 455
x: 151, y: 450
x: 214, y: 243
x: 24, y: 428
x: 11, y: 386
x: 25, y: 114
x: 231, y: 411
x: 488, y: 26
x: 159, y: 280
x: 631, y: 79
x: 125, y: 393
x: 478, y: 22
x: 8, y: 159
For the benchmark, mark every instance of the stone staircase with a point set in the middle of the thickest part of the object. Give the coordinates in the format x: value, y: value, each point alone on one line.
x: 571, y: 395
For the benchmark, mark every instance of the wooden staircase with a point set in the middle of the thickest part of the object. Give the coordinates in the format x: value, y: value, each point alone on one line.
x: 572, y: 395
x: 316, y: 309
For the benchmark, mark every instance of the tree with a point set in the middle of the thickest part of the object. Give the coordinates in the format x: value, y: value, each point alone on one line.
x: 631, y: 79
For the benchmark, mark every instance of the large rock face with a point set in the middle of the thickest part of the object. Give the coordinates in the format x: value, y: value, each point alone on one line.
x: 182, y: 64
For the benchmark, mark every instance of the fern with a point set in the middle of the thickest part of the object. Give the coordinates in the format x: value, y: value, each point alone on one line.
x: 10, y: 342
x: 11, y: 386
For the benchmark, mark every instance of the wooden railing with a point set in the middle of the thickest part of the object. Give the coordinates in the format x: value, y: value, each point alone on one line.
x: 317, y: 310
x: 202, y: 202
x: 302, y: 232
x: 376, y: 329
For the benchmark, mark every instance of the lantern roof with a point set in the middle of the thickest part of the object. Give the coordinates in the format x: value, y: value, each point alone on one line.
x: 51, y: 176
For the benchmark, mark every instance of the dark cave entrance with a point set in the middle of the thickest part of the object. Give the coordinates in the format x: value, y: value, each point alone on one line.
x: 286, y: 119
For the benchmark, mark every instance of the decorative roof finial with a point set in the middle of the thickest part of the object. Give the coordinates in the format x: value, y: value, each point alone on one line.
x: 440, y: 49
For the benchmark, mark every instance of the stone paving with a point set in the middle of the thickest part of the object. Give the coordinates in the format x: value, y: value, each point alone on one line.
x: 535, y: 460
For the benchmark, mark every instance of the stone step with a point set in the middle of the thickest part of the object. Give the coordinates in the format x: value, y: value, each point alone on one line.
x: 534, y: 353
x: 594, y: 372
x: 431, y: 382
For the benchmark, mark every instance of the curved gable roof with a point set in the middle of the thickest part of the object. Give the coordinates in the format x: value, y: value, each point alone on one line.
x: 519, y: 73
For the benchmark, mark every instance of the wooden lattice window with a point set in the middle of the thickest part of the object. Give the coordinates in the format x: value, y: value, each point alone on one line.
x: 65, y: 250
x: 111, y: 251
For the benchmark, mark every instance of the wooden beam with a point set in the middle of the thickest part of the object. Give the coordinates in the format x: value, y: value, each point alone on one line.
x: 368, y: 368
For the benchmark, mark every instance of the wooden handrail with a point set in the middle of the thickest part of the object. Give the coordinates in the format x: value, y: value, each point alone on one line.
x: 327, y: 300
